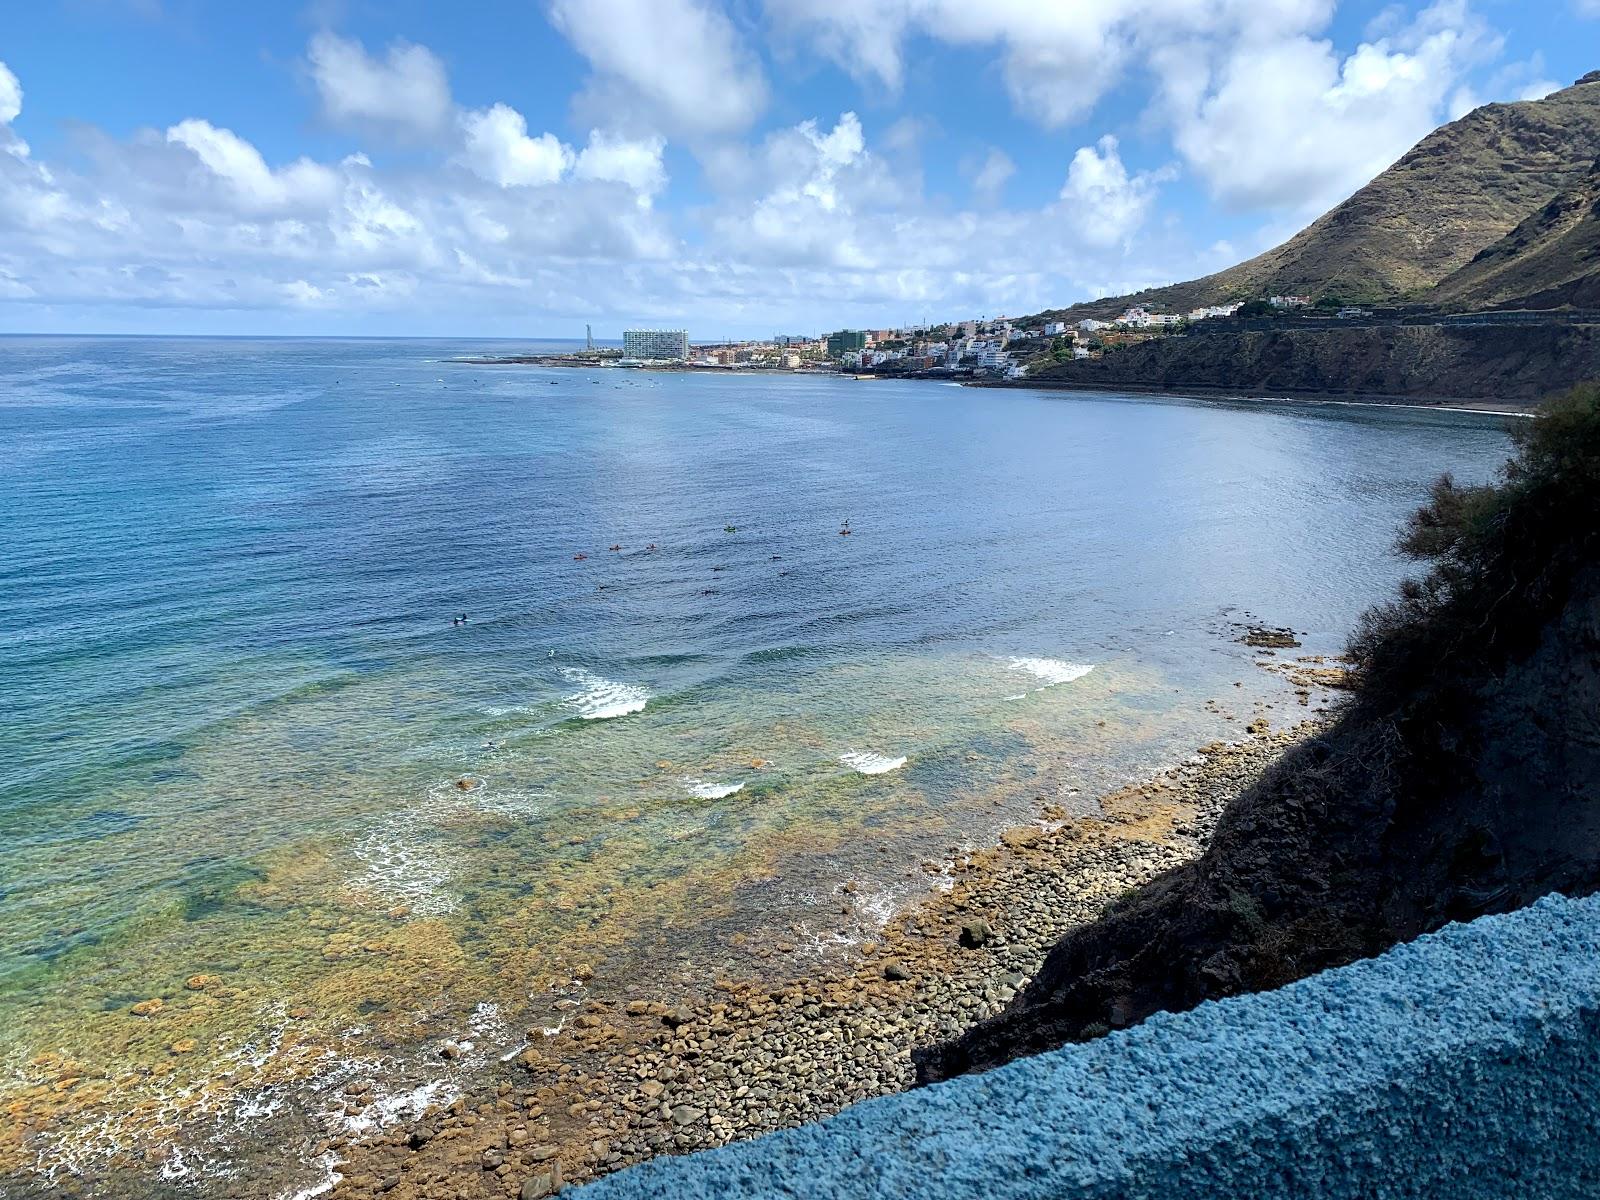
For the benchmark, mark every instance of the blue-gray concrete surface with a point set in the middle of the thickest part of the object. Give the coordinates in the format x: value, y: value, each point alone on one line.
x: 1465, y: 1064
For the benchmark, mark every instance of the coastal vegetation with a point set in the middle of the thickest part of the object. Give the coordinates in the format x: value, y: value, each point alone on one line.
x: 1461, y: 778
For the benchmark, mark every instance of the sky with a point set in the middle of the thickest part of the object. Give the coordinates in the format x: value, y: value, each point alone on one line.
x: 522, y: 168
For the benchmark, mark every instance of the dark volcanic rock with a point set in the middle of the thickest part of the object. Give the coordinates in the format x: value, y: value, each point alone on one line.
x: 1509, y: 364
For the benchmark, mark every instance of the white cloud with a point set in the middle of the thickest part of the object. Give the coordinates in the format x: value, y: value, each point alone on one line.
x: 10, y: 96
x: 990, y: 178
x: 673, y: 65
x: 1057, y: 59
x: 1586, y: 8
x: 406, y: 92
x: 817, y: 222
x: 499, y: 149
x: 239, y: 166
x: 1286, y: 122
x: 1106, y: 205
x: 1263, y: 108
x: 635, y: 162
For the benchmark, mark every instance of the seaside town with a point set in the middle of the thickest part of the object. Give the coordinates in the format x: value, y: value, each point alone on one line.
x: 987, y: 347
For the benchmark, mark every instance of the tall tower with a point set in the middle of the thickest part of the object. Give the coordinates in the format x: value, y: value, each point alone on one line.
x: 588, y: 337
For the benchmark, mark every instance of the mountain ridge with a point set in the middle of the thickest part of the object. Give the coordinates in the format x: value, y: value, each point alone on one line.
x: 1455, y: 194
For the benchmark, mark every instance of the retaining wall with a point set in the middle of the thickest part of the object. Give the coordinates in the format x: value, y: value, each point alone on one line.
x: 1465, y: 1064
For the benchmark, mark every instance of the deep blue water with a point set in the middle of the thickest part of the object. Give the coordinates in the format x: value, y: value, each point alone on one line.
x: 230, y: 569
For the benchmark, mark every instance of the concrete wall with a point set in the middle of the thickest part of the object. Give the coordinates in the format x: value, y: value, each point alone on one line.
x: 1466, y: 1064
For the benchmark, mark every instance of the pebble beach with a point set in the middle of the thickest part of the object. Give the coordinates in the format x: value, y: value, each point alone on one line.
x: 627, y: 1078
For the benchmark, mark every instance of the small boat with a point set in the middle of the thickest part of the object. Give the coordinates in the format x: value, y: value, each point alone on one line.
x: 579, y: 557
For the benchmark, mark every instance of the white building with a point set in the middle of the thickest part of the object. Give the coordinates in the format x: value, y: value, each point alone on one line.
x: 1055, y: 329
x: 1288, y: 301
x: 991, y: 357
x: 1090, y: 325
x: 655, y: 345
x: 1142, y: 318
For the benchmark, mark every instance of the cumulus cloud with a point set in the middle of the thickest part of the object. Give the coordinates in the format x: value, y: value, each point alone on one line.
x: 1057, y: 59
x: 499, y: 149
x: 1259, y: 103
x: 815, y: 207
x: 197, y: 217
x: 677, y: 66
x: 10, y: 96
x: 1286, y: 122
x: 817, y: 217
x: 1106, y: 204
x: 406, y: 91
x: 635, y: 162
x: 238, y: 165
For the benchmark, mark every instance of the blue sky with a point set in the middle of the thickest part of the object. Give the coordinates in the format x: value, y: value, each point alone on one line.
x: 737, y: 166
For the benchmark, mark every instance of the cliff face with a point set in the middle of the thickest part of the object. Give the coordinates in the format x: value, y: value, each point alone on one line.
x: 1514, y: 364
x: 1459, y: 190
x: 1464, y: 779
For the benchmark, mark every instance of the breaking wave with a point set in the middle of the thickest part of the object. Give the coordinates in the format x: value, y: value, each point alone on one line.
x: 864, y: 763
x: 602, y: 699
x: 1051, y: 670
x: 701, y: 790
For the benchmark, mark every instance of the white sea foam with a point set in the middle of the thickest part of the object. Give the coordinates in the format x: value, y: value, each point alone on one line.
x: 701, y: 790
x: 406, y: 874
x: 1051, y: 670
x: 602, y: 699
x: 864, y: 763
x: 879, y: 906
x: 389, y: 1108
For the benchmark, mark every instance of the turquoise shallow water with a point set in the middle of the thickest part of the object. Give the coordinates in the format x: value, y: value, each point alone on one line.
x: 244, y: 740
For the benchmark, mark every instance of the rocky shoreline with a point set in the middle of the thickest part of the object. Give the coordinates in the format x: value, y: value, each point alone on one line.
x: 628, y: 1078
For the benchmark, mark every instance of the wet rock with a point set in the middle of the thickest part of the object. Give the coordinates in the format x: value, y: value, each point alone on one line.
x: 976, y: 933
x: 536, y: 1187
x: 1275, y: 639
x: 893, y: 970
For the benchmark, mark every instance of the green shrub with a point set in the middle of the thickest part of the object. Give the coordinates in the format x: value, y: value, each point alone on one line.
x: 1501, y: 559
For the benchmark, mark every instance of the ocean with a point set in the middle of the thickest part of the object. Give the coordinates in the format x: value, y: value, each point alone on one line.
x: 356, y: 699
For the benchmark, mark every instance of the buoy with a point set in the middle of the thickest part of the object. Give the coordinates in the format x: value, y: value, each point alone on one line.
x: 729, y: 529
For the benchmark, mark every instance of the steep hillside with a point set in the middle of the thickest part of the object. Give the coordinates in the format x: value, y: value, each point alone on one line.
x: 1550, y: 260
x: 1507, y: 364
x: 1464, y: 777
x: 1461, y: 189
